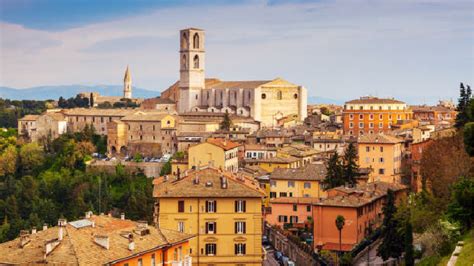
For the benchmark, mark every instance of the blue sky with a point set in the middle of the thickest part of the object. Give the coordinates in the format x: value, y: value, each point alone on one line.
x: 413, y: 50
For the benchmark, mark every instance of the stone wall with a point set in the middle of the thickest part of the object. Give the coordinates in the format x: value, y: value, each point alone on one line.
x: 149, y: 169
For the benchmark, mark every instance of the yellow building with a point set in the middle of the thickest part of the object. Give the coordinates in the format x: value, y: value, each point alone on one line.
x: 219, y: 153
x: 270, y: 164
x: 382, y: 154
x: 304, y: 153
x: 301, y: 182
x: 223, y: 210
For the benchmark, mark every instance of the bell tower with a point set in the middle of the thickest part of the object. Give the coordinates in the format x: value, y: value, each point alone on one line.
x: 191, y: 68
x: 127, y: 85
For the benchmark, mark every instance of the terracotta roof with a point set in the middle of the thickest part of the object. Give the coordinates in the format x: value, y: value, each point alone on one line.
x: 378, y: 138
x: 98, y: 112
x: 217, y: 84
x: 223, y: 143
x: 29, y: 118
x: 289, y: 159
x: 158, y: 100
x: 145, y: 116
x: 361, y: 195
x: 56, y: 116
x: 294, y: 200
x: 79, y: 247
x: 298, y: 150
x: 374, y: 100
x: 208, y: 185
x: 427, y: 108
x: 309, y: 172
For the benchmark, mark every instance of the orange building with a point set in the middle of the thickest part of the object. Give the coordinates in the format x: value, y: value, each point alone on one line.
x: 360, y: 206
x: 369, y: 115
x: 98, y: 240
x: 434, y: 115
x: 294, y: 211
x: 416, y: 156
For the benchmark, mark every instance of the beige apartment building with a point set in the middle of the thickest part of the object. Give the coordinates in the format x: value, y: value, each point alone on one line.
x: 383, y: 155
x: 219, y: 153
x: 222, y: 210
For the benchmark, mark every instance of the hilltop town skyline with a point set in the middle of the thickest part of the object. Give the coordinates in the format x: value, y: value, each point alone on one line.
x: 417, y: 52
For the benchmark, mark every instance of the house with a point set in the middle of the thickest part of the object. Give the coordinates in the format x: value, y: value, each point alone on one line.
x: 304, y: 181
x: 295, y: 211
x: 272, y: 163
x: 98, y: 240
x: 220, y: 153
x: 222, y: 209
x: 304, y: 153
x: 383, y: 154
x: 360, y: 206
x: 257, y: 151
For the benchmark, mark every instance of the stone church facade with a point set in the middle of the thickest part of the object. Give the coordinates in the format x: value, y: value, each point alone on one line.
x: 265, y: 101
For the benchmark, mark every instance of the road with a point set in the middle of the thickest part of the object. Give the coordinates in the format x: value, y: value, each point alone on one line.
x: 373, y: 258
x: 270, y: 260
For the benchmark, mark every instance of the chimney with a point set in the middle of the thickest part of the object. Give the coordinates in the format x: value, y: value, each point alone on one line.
x: 102, y: 240
x: 196, y: 180
x: 61, y: 224
x: 88, y: 214
x: 45, y: 227
x: 33, y: 230
x: 223, y: 182
x: 122, y: 216
x: 131, y: 243
x: 24, y: 238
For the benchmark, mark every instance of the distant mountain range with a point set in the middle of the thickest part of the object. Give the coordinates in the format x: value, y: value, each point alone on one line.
x: 67, y: 91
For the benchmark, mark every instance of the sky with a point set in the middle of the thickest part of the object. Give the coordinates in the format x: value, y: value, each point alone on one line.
x: 414, y: 50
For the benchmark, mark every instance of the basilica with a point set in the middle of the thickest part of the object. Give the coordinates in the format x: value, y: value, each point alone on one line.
x: 265, y: 101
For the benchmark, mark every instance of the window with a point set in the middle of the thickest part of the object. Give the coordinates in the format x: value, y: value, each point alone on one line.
x: 361, y: 125
x: 361, y: 116
x: 380, y: 117
x: 351, y: 125
x: 381, y: 149
x: 381, y: 159
x: 279, y: 95
x: 293, y: 219
x: 153, y: 261
x: 371, y: 125
x: 181, y: 206
x: 211, y: 228
x: 211, y: 206
x: 371, y: 117
x: 273, y: 195
x: 196, y: 61
x: 367, y: 149
x: 196, y: 41
x: 295, y: 96
x: 282, y: 218
x: 380, y: 125
x: 381, y: 171
x: 239, y: 249
x: 264, y: 96
x: 211, y: 249
x: 295, y: 207
x: 181, y: 227
x: 140, y: 262
x: 361, y: 107
x: 240, y: 227
x: 351, y: 116
x: 291, y: 183
x: 308, y: 208
x: 307, y: 185
x: 240, y: 206
x: 283, y: 194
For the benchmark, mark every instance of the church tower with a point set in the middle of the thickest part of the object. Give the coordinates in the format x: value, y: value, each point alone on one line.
x: 127, y: 85
x: 192, y: 65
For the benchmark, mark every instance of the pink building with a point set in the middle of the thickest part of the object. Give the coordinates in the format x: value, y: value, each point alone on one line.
x: 290, y: 210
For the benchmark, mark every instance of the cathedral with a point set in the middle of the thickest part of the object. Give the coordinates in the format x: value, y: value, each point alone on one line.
x: 266, y: 101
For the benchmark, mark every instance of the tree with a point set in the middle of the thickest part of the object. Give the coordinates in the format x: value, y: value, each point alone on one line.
x: 468, y: 133
x: 340, y: 222
x: 226, y: 122
x: 461, y: 207
x: 350, y: 167
x: 334, y: 173
x: 409, y: 259
x: 166, y: 169
x: 463, y: 105
x: 8, y: 161
x: 392, y: 240
x: 31, y: 157
x: 443, y: 162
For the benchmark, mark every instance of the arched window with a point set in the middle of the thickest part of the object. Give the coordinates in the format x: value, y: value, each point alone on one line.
x: 184, y: 62
x: 295, y: 96
x: 196, y: 61
x: 184, y: 41
x: 279, y: 95
x: 196, y: 41
x: 264, y: 96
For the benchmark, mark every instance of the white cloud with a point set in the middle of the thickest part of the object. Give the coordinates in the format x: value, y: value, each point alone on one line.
x: 338, y: 49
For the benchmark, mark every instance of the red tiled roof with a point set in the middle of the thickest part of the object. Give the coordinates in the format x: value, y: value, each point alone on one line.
x: 223, y: 143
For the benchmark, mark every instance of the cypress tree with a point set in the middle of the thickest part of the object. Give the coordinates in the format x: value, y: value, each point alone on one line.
x: 463, y: 101
x: 334, y: 173
x: 226, y: 122
x: 409, y: 260
x: 351, y: 169
x: 392, y: 240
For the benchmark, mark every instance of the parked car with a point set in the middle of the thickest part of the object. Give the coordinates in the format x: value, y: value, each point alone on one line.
x: 278, y: 255
x: 265, y: 240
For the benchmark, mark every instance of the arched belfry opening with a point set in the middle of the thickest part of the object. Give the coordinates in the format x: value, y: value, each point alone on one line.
x: 184, y: 62
x: 196, y: 41
x: 184, y: 41
x: 196, y: 61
